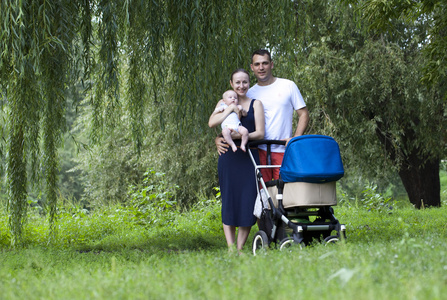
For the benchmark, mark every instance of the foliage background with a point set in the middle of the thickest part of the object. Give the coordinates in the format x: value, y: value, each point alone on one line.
x: 95, y: 93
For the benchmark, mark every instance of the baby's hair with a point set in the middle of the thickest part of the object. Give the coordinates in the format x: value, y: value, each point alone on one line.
x: 224, y: 94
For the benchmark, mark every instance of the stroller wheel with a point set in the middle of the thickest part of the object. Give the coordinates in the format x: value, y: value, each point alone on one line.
x: 332, y: 239
x: 288, y: 244
x: 260, y: 242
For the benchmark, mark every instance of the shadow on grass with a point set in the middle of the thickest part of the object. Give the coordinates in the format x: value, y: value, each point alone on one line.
x: 166, y: 243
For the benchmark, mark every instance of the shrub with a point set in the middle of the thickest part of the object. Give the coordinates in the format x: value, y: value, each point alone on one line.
x: 154, y: 201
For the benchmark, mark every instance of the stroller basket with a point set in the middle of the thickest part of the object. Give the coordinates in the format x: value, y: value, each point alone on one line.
x: 305, y: 194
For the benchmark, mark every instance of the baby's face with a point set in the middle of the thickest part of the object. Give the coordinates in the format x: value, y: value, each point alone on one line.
x: 230, y: 98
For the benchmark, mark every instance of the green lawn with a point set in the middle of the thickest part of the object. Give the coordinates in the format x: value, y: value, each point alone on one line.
x: 111, y: 254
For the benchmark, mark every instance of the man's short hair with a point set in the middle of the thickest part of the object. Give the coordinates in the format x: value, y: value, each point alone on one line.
x: 261, y: 52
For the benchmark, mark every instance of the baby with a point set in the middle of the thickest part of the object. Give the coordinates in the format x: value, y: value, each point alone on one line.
x: 232, y: 121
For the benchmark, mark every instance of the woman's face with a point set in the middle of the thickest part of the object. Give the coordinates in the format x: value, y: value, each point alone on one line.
x: 240, y: 82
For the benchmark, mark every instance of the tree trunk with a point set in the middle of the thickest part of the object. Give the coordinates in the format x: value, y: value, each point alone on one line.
x: 419, y: 173
x: 421, y: 181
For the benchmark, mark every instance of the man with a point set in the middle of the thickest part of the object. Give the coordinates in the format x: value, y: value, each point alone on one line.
x: 280, y: 98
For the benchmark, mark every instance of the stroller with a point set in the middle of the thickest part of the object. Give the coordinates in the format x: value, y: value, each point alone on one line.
x: 296, y: 209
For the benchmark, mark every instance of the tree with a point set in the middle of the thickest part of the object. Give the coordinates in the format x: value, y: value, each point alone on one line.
x: 171, y: 55
x: 35, y: 56
x: 382, y: 15
x: 45, y: 44
x: 368, y: 91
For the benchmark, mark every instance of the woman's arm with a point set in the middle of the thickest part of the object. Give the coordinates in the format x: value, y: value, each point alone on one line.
x: 259, y: 132
x: 217, y: 117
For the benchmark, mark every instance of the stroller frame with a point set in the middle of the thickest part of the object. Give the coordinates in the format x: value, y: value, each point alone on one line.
x: 288, y: 227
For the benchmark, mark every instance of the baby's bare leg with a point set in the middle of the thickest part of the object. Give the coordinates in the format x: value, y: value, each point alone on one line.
x: 226, y: 132
x: 244, y: 134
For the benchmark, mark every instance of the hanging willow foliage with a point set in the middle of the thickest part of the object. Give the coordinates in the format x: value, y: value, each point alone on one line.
x: 176, y: 54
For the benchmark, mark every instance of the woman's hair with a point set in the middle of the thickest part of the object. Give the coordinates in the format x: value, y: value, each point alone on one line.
x: 239, y: 70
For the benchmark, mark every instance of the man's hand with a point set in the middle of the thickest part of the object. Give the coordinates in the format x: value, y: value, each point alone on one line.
x: 287, y: 141
x: 221, y: 145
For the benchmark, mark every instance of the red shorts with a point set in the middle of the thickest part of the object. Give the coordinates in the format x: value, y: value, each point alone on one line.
x: 276, y: 159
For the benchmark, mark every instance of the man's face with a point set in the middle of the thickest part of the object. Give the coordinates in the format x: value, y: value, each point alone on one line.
x: 262, y: 67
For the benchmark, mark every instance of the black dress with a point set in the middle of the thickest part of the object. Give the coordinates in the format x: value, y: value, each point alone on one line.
x: 237, y: 181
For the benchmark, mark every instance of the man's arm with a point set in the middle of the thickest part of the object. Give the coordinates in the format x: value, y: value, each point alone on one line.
x: 303, y: 121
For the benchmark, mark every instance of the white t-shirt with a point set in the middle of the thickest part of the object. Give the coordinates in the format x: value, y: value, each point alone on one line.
x: 280, y: 100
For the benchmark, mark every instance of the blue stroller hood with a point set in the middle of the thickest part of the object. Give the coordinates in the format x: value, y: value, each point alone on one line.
x: 312, y: 158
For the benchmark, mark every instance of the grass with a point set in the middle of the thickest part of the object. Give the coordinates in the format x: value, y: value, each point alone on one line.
x: 112, y: 254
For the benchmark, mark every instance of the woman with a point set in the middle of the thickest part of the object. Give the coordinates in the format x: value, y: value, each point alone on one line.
x: 236, y: 171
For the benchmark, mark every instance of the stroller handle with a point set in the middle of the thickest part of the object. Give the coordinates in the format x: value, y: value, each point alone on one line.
x: 254, y: 144
x: 266, y: 142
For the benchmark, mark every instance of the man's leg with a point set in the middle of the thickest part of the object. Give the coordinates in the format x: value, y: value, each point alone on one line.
x: 277, y: 160
x: 267, y: 174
